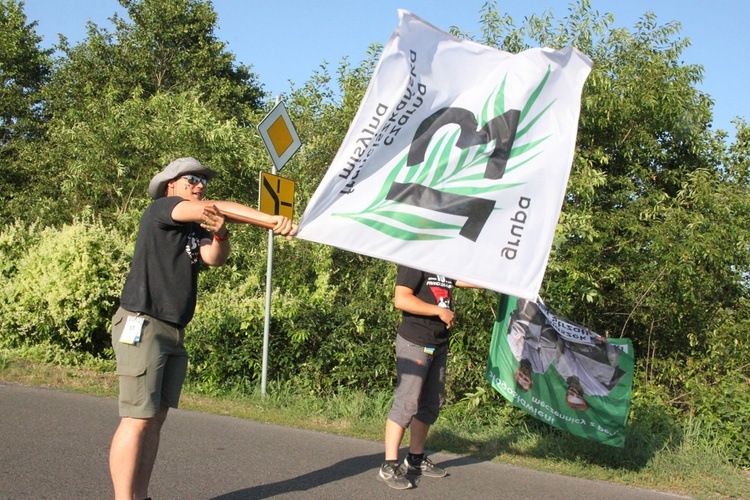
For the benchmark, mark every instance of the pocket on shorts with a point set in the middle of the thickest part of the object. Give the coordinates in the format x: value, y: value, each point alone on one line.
x: 132, y: 384
x: 117, y: 327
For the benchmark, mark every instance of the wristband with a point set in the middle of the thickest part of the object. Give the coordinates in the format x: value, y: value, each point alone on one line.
x: 219, y: 238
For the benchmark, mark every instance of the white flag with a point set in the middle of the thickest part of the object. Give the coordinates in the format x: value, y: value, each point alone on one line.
x: 457, y: 161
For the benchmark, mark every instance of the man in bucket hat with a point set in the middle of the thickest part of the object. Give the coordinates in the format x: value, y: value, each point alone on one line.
x: 177, y: 232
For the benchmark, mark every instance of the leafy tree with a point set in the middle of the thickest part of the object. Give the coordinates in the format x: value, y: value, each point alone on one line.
x: 168, y: 46
x: 124, y: 104
x: 638, y: 251
x: 105, y: 162
x: 637, y: 265
x: 24, y: 69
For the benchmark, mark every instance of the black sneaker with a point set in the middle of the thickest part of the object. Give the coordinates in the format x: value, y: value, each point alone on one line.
x: 394, y: 476
x: 424, y: 468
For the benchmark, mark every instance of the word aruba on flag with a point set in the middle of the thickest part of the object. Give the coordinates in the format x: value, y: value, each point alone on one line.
x: 457, y: 160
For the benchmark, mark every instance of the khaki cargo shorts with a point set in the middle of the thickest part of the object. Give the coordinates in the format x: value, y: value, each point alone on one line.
x: 151, y: 371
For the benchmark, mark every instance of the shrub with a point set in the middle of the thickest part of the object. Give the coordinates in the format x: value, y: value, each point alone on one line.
x: 64, y: 288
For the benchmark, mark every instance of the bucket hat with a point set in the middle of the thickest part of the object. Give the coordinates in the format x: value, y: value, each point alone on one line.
x: 180, y: 166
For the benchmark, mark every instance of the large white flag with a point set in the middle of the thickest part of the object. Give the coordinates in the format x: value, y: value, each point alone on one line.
x: 457, y: 161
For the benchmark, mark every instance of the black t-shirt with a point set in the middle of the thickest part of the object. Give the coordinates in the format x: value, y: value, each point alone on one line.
x: 163, y: 278
x: 428, y: 331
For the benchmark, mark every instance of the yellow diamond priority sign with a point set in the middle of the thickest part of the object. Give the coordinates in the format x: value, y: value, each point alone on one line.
x: 279, y: 136
x: 276, y: 195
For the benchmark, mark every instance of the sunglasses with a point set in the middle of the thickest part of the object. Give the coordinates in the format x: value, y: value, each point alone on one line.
x: 195, y: 179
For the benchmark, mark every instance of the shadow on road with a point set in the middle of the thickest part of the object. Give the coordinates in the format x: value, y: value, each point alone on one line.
x: 336, y: 472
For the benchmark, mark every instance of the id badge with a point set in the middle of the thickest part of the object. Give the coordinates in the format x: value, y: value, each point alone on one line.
x: 132, y: 331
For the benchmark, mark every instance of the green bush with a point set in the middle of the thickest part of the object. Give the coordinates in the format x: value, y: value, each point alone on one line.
x: 710, y: 388
x: 225, y: 338
x: 15, y: 240
x: 327, y: 331
x: 470, y: 342
x: 64, y: 286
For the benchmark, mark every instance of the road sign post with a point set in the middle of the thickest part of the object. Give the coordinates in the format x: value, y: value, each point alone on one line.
x: 281, y: 141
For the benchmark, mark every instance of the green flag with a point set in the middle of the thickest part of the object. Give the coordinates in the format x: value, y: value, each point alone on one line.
x: 560, y: 372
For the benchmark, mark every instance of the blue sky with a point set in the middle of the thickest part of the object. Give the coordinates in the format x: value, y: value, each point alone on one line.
x: 287, y: 40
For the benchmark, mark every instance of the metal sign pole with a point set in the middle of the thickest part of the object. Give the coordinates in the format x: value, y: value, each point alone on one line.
x: 267, y: 324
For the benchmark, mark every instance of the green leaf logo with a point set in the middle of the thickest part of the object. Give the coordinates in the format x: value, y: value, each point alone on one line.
x: 435, y: 191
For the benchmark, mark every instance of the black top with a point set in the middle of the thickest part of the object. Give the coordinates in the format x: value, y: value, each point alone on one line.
x: 163, y: 278
x: 428, y: 331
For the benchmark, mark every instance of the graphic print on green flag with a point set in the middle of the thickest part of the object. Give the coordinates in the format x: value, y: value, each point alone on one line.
x: 560, y: 372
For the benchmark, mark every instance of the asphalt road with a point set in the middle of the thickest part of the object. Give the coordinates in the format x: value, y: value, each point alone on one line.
x: 55, y: 444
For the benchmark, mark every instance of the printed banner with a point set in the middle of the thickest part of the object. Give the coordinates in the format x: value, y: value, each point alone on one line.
x: 560, y: 372
x: 457, y: 160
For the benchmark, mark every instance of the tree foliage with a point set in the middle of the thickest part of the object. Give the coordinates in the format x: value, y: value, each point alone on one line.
x: 24, y: 70
x: 639, y: 247
x: 121, y: 105
x: 104, y: 163
x: 167, y: 46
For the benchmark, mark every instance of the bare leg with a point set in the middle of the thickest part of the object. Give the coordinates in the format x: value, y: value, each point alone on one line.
x: 132, y: 455
x: 148, y: 456
x: 125, y: 455
x: 394, y: 433
x: 418, y: 437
